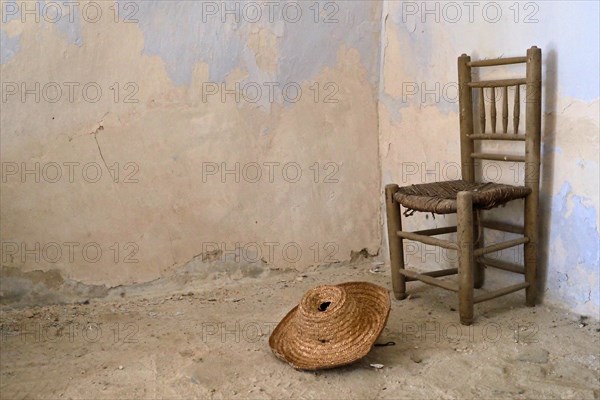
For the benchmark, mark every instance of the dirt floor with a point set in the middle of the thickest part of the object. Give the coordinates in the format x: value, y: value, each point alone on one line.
x: 212, y: 344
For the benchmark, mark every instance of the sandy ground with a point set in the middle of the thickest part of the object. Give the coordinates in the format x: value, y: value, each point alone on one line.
x: 212, y: 344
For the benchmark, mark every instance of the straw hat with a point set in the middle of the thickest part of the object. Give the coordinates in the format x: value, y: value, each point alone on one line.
x: 332, y: 326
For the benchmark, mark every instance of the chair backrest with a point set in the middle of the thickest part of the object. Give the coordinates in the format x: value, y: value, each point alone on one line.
x: 533, y: 114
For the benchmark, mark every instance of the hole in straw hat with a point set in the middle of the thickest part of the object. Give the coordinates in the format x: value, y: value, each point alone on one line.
x: 323, y: 340
x: 324, y: 306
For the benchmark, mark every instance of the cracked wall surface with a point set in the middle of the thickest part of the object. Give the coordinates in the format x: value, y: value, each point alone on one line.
x: 182, y: 130
x: 418, y: 112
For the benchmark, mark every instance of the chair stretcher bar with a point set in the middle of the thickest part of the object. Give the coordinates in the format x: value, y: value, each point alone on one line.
x: 500, y: 246
x: 428, y: 240
x: 500, y: 292
x: 503, y: 227
x: 436, y: 274
x: 505, y: 265
x: 448, y: 285
x: 436, y: 231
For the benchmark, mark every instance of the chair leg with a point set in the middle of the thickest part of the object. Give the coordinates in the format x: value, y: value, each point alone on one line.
x: 465, y: 256
x: 394, y: 225
x: 530, y: 252
x: 479, y: 273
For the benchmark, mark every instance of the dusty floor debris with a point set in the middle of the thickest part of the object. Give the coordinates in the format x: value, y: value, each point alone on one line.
x: 212, y: 343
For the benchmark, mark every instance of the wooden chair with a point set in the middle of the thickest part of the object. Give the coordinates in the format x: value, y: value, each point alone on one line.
x: 464, y: 197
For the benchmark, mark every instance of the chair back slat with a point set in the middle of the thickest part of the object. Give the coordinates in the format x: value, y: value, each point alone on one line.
x: 482, y: 110
x: 493, y: 109
x: 498, y: 82
x: 517, y: 110
x: 497, y: 61
x: 505, y: 109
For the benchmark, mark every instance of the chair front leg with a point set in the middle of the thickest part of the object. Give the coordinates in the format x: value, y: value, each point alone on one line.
x: 531, y: 249
x: 465, y: 256
x: 394, y: 225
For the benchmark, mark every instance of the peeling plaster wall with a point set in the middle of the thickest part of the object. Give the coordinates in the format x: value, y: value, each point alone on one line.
x: 163, y: 143
x: 418, y: 113
x: 178, y: 187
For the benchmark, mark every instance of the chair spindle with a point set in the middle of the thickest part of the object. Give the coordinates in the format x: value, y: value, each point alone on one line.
x: 505, y: 110
x: 517, y: 110
x: 481, y: 110
x: 493, y: 110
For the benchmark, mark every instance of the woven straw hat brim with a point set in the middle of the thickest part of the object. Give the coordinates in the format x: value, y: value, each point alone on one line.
x: 352, y: 339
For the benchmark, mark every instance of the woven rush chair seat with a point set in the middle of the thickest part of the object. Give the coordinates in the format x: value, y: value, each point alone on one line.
x: 440, y: 197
